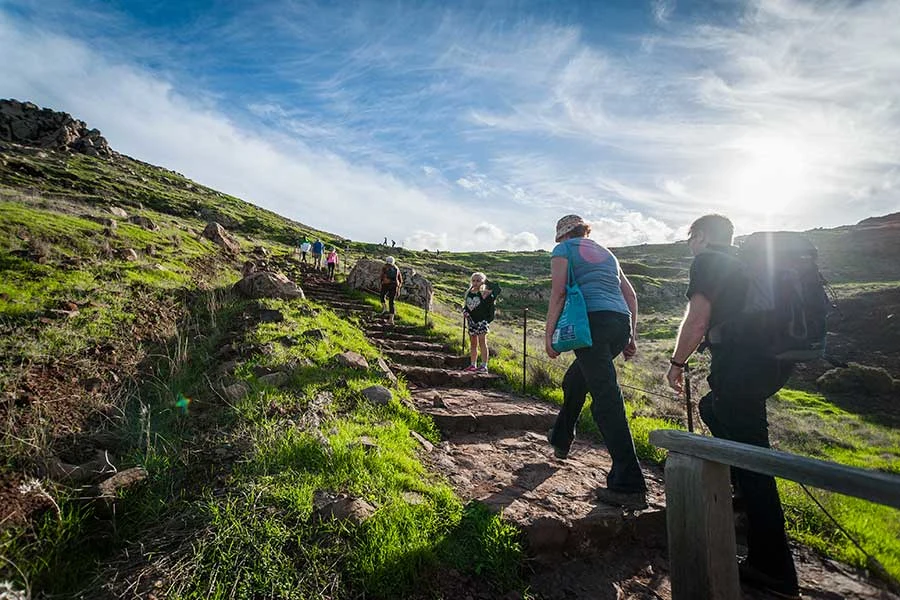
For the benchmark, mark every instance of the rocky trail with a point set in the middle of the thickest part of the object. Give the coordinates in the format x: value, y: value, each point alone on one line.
x: 494, y: 451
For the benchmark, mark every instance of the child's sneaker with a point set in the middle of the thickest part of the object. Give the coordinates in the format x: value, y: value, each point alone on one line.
x: 470, y: 369
x: 482, y: 369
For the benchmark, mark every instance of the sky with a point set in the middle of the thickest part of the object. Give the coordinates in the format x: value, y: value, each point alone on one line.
x: 476, y: 125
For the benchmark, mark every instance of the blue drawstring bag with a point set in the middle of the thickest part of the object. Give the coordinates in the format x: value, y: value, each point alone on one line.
x: 573, y: 330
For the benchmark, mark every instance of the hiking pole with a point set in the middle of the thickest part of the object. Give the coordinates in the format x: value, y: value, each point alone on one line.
x: 687, y: 398
x: 524, y: 345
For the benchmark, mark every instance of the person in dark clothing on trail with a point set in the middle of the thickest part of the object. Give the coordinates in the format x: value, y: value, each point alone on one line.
x: 740, y: 382
x: 391, y: 282
x: 479, y: 311
x: 317, y: 249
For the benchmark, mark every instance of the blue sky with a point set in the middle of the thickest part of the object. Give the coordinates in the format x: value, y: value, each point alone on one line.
x: 466, y: 125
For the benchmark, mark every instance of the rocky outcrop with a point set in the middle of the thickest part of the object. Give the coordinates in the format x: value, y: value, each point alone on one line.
x: 30, y: 125
x: 265, y: 284
x: 366, y: 275
x: 218, y: 235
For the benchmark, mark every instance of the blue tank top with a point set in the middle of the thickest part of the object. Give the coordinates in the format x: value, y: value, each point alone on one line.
x: 596, y: 272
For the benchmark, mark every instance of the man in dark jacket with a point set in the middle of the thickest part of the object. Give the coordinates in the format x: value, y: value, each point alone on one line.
x: 740, y: 381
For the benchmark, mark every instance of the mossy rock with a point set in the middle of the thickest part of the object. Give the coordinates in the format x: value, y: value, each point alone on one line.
x: 873, y: 381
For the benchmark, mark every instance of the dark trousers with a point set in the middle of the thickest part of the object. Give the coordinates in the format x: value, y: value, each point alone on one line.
x: 593, y: 371
x: 389, y: 291
x: 735, y: 410
x: 331, y: 269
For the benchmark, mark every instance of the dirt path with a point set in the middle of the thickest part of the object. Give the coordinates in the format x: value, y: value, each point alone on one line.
x: 494, y: 450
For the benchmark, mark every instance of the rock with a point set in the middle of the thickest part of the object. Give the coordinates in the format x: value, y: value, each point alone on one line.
x: 341, y: 507
x: 118, y: 212
x: 128, y: 254
x: 28, y: 124
x: 104, y: 221
x: 122, y: 480
x: 260, y: 251
x: 413, y: 498
x: 267, y: 315
x: 87, y: 472
x: 144, y: 222
x: 856, y: 377
x: 236, y: 392
x: 378, y: 395
x: 219, y: 217
x: 275, y: 379
x: 366, y: 275
x: 352, y: 360
x: 264, y: 284
x: 218, y: 235
x: 317, y: 334
x: 384, y: 368
x: 367, y: 443
x: 109, y: 491
x: 428, y: 446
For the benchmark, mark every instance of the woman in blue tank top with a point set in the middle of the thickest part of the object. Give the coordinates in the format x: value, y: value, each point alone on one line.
x: 612, y: 313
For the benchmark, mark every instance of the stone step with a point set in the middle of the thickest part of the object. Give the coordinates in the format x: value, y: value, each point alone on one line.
x: 552, y: 501
x: 380, y: 325
x: 425, y: 358
x: 388, y: 334
x: 462, y: 411
x: 432, y: 377
x: 410, y: 345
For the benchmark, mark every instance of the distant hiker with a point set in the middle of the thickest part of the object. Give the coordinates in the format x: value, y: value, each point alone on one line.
x: 331, y: 261
x: 384, y: 243
x: 317, y: 248
x: 479, y: 308
x: 741, y: 379
x: 393, y: 244
x: 612, y: 313
x: 391, y: 281
x: 304, y: 249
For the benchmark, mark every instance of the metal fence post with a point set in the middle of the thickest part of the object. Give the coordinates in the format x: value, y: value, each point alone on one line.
x: 464, y: 334
x: 524, y: 346
x: 426, y: 314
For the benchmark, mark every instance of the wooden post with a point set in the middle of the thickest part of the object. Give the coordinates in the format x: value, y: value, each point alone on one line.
x: 524, y: 345
x: 700, y: 521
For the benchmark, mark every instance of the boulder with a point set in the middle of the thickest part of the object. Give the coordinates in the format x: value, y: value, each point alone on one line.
x: 236, y: 392
x: 378, y: 394
x: 341, y: 507
x: 366, y: 275
x: 144, y: 222
x: 218, y: 235
x: 264, y: 284
x: 352, y: 360
x: 118, y: 212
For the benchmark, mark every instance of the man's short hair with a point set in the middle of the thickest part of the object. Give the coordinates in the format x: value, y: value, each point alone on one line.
x: 717, y: 228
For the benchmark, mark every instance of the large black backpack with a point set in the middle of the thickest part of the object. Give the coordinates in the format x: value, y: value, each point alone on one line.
x: 786, y: 306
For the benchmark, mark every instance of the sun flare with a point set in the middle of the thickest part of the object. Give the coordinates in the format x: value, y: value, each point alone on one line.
x: 771, y: 176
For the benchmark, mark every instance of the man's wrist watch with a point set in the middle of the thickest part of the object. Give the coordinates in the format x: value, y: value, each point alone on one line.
x: 675, y: 363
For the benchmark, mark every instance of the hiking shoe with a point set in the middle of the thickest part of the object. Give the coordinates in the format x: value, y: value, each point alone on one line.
x: 631, y: 500
x: 755, y: 578
x: 470, y: 369
x: 557, y: 452
x: 482, y: 369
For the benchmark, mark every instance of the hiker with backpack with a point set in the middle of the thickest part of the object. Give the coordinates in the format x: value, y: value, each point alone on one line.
x: 758, y: 310
x: 391, y: 282
x: 609, y: 313
x: 331, y: 261
x: 317, y: 249
x: 479, y: 310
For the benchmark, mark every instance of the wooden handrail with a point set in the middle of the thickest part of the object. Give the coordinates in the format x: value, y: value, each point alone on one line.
x: 882, y: 488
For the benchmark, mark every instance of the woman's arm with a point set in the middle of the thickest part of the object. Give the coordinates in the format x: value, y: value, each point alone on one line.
x: 631, y: 300
x: 559, y: 272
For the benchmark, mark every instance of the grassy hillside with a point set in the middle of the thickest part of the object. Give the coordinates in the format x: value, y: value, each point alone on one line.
x: 117, y: 337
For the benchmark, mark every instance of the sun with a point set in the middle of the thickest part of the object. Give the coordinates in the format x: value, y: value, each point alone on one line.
x: 770, y: 177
